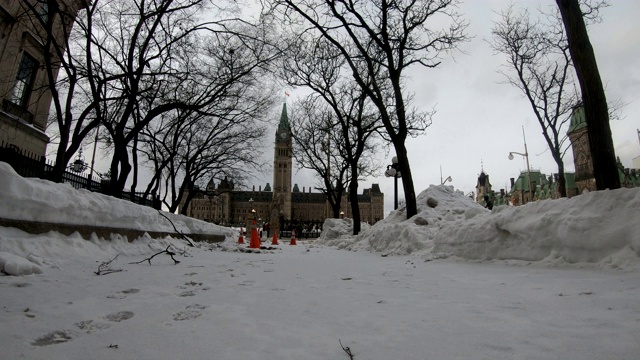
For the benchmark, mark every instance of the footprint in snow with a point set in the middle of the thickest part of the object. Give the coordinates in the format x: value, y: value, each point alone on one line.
x: 119, y: 316
x: 54, y: 337
x: 123, y: 294
x: 90, y: 326
x: 190, y: 312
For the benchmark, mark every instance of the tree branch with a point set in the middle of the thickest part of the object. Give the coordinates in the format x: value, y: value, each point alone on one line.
x: 175, y: 262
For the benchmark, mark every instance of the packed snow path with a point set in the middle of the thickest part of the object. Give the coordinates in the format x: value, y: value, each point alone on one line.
x: 298, y: 302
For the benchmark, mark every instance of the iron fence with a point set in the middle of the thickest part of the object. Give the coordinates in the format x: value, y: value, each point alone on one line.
x: 31, y: 165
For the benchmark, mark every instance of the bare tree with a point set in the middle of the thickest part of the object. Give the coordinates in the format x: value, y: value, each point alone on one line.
x: 196, y: 146
x: 379, y: 40
x: 539, y: 65
x: 315, y: 147
x: 163, y: 59
x: 339, y: 109
x: 593, y: 96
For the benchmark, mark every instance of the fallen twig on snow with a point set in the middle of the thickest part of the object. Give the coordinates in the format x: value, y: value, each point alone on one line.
x: 176, y: 229
x: 346, y: 349
x: 105, y: 267
x: 170, y: 253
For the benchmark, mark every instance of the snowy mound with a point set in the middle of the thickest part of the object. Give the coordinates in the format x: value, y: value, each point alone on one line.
x: 338, y: 233
x: 45, y: 201
x: 594, y: 228
x: 17, y: 265
x: 437, y: 206
x: 591, y: 228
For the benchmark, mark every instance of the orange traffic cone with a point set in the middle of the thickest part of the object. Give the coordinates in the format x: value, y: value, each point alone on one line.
x: 255, y: 239
x: 293, y: 237
x: 241, y: 238
x: 275, y: 239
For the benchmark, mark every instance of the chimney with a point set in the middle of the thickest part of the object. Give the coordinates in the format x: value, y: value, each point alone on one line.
x: 260, y: 188
x: 513, y: 182
x: 254, y: 188
x: 303, y: 190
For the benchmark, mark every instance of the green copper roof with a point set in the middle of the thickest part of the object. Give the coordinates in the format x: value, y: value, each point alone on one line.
x: 578, y: 119
x: 284, y: 119
x: 295, y: 188
x: 543, y: 188
x: 570, y: 180
x: 522, y: 183
x: 267, y: 187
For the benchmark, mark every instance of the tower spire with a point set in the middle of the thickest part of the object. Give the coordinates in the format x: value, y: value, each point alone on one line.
x: 284, y: 119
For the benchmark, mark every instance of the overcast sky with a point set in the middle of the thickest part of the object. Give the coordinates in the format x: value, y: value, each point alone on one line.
x: 479, y: 120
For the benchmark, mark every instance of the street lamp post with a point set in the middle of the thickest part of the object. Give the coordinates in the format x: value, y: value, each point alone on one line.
x: 78, y: 165
x: 93, y: 157
x: 393, y: 171
x: 445, y: 180
x: 251, y: 218
x: 526, y: 156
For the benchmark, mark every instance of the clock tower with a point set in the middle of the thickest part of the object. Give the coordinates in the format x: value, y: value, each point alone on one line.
x: 282, y: 168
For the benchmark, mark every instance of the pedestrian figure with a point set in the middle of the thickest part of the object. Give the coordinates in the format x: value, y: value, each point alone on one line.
x: 488, y: 202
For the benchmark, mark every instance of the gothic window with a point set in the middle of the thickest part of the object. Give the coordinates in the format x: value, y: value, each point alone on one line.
x: 43, y: 11
x: 24, y: 80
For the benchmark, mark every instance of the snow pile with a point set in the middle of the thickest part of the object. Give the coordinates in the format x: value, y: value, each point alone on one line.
x: 337, y: 232
x: 437, y: 207
x: 594, y: 228
x: 17, y: 265
x: 44, y: 201
x: 53, y: 245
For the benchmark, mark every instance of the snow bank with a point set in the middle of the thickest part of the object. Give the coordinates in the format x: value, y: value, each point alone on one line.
x: 17, y: 265
x: 44, y: 201
x: 594, y: 228
x: 400, y: 236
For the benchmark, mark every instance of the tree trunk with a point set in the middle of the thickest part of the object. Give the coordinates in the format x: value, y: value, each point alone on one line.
x: 407, y: 180
x: 353, y: 197
x: 60, y: 165
x: 603, y: 154
x: 120, y: 167
x: 134, y: 157
x: 562, y: 180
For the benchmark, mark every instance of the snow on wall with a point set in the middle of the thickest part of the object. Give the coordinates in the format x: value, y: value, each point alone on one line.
x: 40, y: 200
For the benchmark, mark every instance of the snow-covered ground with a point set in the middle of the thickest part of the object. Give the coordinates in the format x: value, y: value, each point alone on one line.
x: 549, y: 280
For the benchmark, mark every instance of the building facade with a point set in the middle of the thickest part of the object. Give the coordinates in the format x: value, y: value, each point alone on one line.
x: 534, y: 185
x: 24, y: 93
x: 283, y: 204
x: 581, y: 152
x: 584, y: 176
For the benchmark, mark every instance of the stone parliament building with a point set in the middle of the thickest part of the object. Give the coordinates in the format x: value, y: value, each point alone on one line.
x: 534, y: 185
x: 282, y: 205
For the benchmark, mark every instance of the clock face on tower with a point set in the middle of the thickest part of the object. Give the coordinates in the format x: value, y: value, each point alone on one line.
x: 283, y: 135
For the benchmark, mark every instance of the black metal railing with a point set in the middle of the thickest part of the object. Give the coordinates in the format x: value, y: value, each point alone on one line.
x: 31, y: 165
x: 300, y: 235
